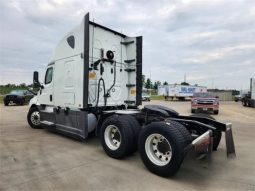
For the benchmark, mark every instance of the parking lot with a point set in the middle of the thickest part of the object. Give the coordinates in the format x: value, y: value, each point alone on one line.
x: 33, y: 159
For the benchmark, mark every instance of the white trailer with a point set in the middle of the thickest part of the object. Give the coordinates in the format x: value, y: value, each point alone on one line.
x: 93, y: 84
x: 181, y: 92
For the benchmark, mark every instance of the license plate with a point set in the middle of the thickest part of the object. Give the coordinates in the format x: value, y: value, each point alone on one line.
x: 205, y: 109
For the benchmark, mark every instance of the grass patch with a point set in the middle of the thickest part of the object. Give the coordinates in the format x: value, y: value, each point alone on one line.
x: 157, y: 97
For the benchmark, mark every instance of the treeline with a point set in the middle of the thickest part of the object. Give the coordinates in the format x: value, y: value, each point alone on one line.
x: 148, y: 84
x: 5, y: 89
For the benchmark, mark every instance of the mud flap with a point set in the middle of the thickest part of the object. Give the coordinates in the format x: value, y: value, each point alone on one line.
x: 230, y: 146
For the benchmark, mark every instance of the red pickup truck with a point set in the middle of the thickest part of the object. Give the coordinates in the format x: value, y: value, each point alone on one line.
x: 205, y: 102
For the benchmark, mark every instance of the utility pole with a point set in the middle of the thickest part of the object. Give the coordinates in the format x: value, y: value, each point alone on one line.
x: 150, y: 83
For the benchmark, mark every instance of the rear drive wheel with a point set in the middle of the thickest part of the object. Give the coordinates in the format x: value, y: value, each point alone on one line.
x: 117, y: 137
x: 161, y: 148
x: 182, y: 129
x: 136, y: 128
x: 33, y: 118
x: 217, y: 133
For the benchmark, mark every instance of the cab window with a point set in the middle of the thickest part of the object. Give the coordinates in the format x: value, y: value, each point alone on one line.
x: 48, y: 76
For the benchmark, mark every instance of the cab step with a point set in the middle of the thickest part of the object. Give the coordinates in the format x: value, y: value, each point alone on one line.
x: 130, y: 70
x: 47, y: 124
x: 129, y: 61
x: 129, y: 102
x: 127, y: 43
x: 130, y: 85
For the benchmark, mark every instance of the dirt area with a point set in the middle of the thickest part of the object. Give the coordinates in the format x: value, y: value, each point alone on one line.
x: 33, y: 159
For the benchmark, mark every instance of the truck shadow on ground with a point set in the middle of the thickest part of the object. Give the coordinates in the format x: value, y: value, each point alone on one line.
x: 192, y: 171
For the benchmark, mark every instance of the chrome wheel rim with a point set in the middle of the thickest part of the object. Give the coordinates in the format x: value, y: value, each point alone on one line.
x: 112, y: 137
x: 158, y: 149
x: 35, y: 118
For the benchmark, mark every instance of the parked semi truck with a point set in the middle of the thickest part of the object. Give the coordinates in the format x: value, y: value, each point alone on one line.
x: 180, y: 92
x: 93, y: 84
x: 248, y: 99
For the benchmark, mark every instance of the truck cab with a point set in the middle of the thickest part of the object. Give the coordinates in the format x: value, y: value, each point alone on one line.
x: 92, y: 69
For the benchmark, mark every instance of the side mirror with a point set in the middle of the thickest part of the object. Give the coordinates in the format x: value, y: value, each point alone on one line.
x: 36, y: 80
x: 36, y: 77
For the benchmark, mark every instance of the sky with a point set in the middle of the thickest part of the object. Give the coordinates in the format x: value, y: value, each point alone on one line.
x: 212, y: 42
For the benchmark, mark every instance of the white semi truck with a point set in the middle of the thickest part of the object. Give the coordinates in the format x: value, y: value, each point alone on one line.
x: 93, y: 84
x: 249, y: 98
x: 180, y: 92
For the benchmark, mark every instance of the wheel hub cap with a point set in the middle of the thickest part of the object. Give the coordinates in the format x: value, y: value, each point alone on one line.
x: 158, y: 149
x: 35, y: 118
x: 112, y: 137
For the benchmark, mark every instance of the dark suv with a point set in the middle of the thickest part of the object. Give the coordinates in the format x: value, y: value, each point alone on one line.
x: 18, y: 96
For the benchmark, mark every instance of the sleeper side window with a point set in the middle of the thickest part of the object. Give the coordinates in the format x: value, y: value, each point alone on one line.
x: 71, y: 41
x: 48, y: 76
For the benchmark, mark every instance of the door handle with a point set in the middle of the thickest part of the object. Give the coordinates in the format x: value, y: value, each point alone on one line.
x: 50, y: 97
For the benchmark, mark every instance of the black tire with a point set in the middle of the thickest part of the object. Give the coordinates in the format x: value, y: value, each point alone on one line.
x: 174, y: 138
x: 136, y: 128
x: 127, y: 141
x: 216, y: 112
x: 21, y: 102
x: 6, y: 103
x: 185, y: 133
x: 217, y: 134
x: 33, y: 122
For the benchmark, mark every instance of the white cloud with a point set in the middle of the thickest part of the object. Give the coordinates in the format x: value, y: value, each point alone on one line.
x: 220, y: 54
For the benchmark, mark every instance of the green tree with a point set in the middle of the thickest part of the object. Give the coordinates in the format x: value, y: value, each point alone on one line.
x: 23, y: 85
x: 156, y: 84
x: 165, y: 83
x: 148, y: 83
x: 185, y: 83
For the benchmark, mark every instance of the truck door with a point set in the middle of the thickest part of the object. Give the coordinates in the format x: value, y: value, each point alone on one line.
x: 46, y: 96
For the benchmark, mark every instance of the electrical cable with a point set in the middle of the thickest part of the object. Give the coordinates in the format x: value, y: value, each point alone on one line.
x: 98, y: 88
x: 114, y: 81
